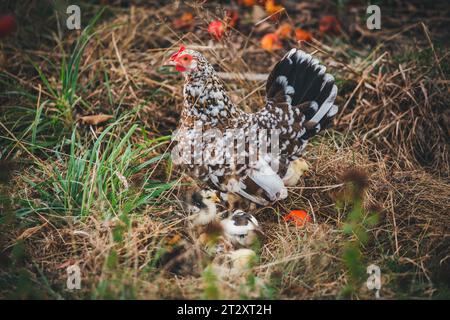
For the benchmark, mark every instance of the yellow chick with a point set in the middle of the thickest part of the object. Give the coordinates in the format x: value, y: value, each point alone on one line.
x: 295, y: 170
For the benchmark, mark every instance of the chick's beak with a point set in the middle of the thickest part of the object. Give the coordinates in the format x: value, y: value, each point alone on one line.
x: 215, y: 198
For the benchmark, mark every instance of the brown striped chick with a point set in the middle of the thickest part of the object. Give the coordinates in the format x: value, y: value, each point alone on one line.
x: 241, y: 228
x: 212, y: 239
x: 179, y: 256
x: 232, y: 202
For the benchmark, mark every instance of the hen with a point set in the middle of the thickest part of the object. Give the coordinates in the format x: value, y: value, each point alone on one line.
x: 231, y: 150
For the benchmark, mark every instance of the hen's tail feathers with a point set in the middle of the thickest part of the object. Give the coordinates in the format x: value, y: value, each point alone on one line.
x: 298, y: 78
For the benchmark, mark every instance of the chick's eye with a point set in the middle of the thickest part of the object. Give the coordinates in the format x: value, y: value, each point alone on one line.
x: 197, y: 203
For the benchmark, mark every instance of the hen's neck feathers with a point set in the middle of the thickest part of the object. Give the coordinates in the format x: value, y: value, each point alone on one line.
x: 205, y: 99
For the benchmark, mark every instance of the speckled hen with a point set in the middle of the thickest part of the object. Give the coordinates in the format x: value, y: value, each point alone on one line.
x: 299, y: 103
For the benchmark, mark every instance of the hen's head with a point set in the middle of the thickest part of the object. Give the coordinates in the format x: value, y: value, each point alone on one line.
x: 188, y: 61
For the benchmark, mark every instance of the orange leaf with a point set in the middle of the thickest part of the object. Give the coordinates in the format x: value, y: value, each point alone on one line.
x: 302, y: 35
x: 272, y: 8
x: 216, y: 29
x: 271, y: 42
x: 184, y: 21
x: 329, y: 24
x: 284, y: 31
x: 95, y: 119
x: 300, y: 217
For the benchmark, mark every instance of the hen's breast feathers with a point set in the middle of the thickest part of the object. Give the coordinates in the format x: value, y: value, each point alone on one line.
x: 206, y: 100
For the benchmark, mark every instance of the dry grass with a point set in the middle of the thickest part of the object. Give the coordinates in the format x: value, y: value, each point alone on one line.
x: 393, y: 124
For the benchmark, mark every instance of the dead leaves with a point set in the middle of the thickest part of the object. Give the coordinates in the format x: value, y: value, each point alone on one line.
x: 284, y: 31
x: 95, y: 119
x: 30, y: 231
x: 271, y: 42
x: 272, y: 8
x: 186, y: 21
x: 302, y: 35
x: 329, y: 24
x: 261, y: 13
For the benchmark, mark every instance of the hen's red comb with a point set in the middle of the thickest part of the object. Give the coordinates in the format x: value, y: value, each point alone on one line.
x: 175, y: 55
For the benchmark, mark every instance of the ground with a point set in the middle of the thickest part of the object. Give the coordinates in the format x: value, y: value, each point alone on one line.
x: 102, y: 194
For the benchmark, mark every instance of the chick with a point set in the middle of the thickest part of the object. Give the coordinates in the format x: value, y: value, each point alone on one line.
x: 202, y: 207
x: 179, y: 256
x: 234, y: 201
x: 243, y: 258
x: 241, y: 228
x: 234, y: 263
x: 212, y: 239
x: 295, y: 170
